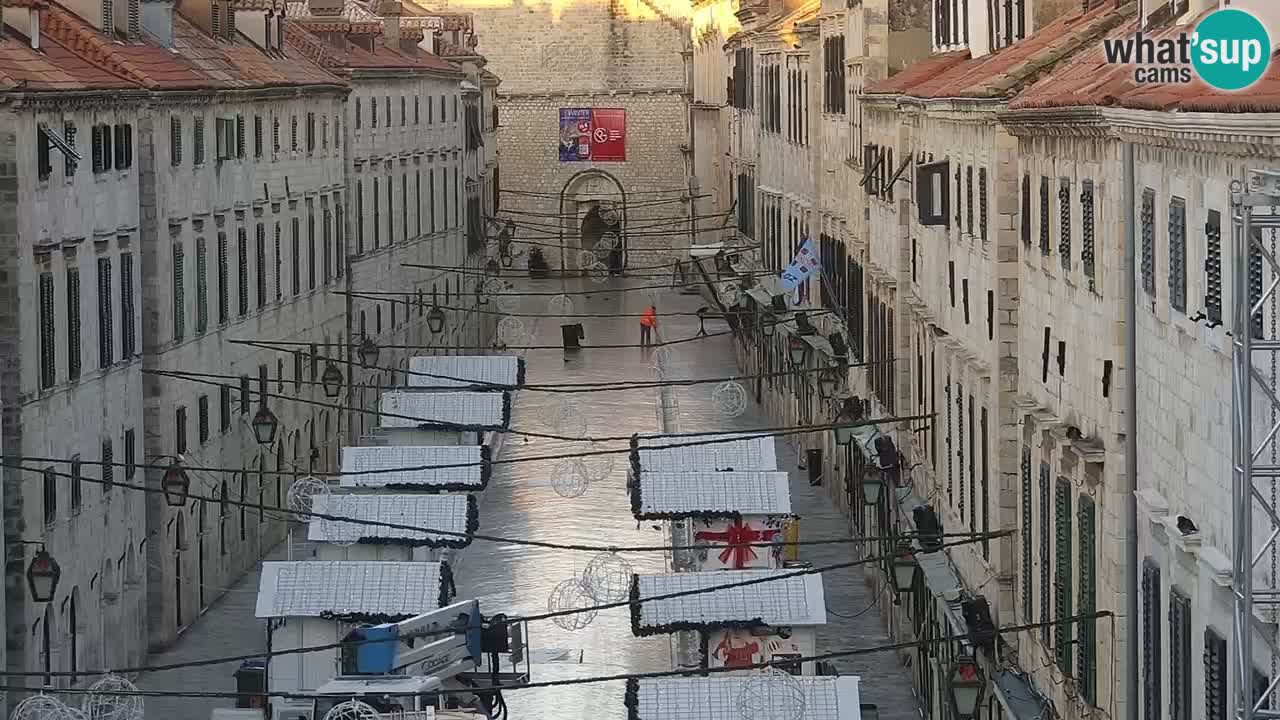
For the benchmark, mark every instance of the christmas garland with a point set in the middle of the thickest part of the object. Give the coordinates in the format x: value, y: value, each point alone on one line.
x: 503, y: 424
x: 361, y: 618
x: 634, y: 487
x: 631, y: 699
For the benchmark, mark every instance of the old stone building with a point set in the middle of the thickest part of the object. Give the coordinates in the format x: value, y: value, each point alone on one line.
x: 618, y: 66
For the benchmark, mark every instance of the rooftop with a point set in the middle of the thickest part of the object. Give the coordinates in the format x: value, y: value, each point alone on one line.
x: 332, y: 588
x: 1089, y: 80
x: 444, y: 371
x: 708, y: 493
x: 453, y: 514
x: 355, y: 18
x: 1005, y: 72
x: 718, y: 697
x: 446, y: 410
x: 416, y: 467
x: 736, y: 451
x: 793, y: 600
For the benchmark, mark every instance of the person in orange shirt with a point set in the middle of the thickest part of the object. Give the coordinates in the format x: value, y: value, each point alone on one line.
x: 648, y: 321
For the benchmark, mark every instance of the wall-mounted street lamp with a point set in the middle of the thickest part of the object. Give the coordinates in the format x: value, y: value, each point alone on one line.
x: 435, y: 320
x: 331, y: 380
x: 965, y: 687
x: 175, y: 484
x: 43, y: 575
x: 492, y: 269
x: 368, y: 352
x: 872, y: 487
x: 265, y: 425
x: 829, y: 382
x: 797, y: 351
x: 904, y: 569
x: 850, y: 412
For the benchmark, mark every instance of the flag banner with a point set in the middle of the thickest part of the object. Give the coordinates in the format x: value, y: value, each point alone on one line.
x: 802, y: 267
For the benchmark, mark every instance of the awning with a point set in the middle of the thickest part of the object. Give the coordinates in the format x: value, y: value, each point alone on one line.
x: 705, y: 251
x: 819, y: 343
x: 1018, y: 696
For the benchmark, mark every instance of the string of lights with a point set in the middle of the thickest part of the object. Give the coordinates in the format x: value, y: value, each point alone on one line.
x: 204, y: 662
x: 544, y: 230
x: 647, y: 222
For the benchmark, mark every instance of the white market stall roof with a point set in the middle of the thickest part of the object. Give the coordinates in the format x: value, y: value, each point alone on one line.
x: 446, y: 410
x: 733, y: 451
x: 355, y: 686
x: 472, y: 471
x: 449, y: 513
x: 452, y: 371
x: 341, y: 588
x: 794, y: 600
x: 717, y: 698
x: 708, y: 493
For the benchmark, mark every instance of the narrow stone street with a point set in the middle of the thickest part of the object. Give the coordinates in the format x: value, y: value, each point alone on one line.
x: 521, y: 503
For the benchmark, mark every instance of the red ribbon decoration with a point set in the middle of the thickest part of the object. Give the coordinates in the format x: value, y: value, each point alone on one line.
x: 739, y: 536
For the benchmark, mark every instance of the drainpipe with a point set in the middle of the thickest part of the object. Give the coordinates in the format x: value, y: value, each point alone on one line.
x: 1131, y: 433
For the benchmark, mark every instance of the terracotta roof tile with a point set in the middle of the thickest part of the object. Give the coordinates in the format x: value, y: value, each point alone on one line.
x: 914, y: 75
x: 1005, y: 72
x: 1089, y: 80
x: 54, y: 68
x: 354, y: 57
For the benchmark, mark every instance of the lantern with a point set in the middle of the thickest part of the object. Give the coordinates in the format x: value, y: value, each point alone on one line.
x: 42, y: 576
x: 872, y: 487
x: 175, y: 484
x: 850, y: 412
x: 797, y: 350
x: 368, y: 352
x: 491, y: 268
x: 904, y: 569
x: 435, y: 320
x: 767, y: 322
x: 481, y: 298
x: 828, y: 382
x: 965, y: 687
x: 331, y: 379
x: 506, y: 259
x: 265, y: 425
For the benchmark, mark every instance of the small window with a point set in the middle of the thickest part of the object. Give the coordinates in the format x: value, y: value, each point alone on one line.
x: 202, y: 419
x: 180, y: 430
x: 933, y: 193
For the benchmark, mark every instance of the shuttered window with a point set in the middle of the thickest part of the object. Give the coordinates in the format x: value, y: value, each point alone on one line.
x: 175, y: 140
x: 1213, y: 267
x: 128, y: 319
x: 1044, y: 216
x: 1087, y: 252
x: 1178, y: 254
x: 108, y: 456
x: 339, y: 235
x: 202, y: 419
x: 1148, y: 250
x: 106, y: 334
x: 48, y: 341
x: 1026, y: 209
x: 973, y: 477
x: 73, y: 322
x: 311, y: 246
x: 1179, y: 656
x: 257, y: 136
x: 1086, y: 630
x: 224, y: 279
x: 224, y: 408
x: 260, y: 267
x: 951, y: 446
x: 1064, y: 222
x: 179, y: 292
x: 984, y: 496
x: 1062, y: 560
x: 968, y: 198
x: 960, y: 496
x: 1046, y: 557
x: 1255, y: 281
x: 242, y: 271
x: 982, y: 204
x: 1215, y: 676
x: 202, y: 287
x: 69, y: 162
x: 279, y: 262
x: 1028, y: 532
x: 295, y: 261
x: 197, y: 140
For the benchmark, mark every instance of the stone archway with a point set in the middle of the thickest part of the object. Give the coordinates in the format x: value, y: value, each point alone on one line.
x: 586, y: 202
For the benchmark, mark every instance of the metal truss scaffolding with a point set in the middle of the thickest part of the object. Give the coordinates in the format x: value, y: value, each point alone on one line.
x: 1255, y: 434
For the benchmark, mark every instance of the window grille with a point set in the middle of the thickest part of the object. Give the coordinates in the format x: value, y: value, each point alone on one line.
x: 1086, y: 630
x: 1046, y: 557
x: 224, y: 279
x: 1179, y: 656
x: 1028, y: 522
x: 179, y: 292
x: 48, y: 342
x: 106, y: 335
x: 1044, y: 216
x: 242, y: 271
x: 1215, y: 676
x: 202, y: 288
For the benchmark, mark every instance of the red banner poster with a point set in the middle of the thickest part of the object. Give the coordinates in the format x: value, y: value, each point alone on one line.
x: 609, y: 134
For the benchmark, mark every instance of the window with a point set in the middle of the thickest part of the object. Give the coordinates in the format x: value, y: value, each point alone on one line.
x: 224, y: 408
x: 242, y: 271
x: 311, y: 246
x: 279, y: 262
x: 377, y: 222
x: 295, y: 260
x: 417, y: 192
x: 311, y: 133
x: 128, y: 319
x: 833, y: 56
x: 387, y: 109
x: 179, y: 292
x: 326, y: 222
x: 106, y: 337
x: 968, y: 199
x: 1215, y: 676
x: 180, y: 430
x: 1086, y: 233
x: 1026, y: 210
x: 260, y: 267
x: 359, y: 118
x: 245, y: 395
x: 293, y: 133
x: 339, y: 246
x: 1178, y: 254
x: 1213, y: 268
x: 77, y: 487
x: 1028, y: 591
x: 223, y: 514
x: 130, y: 459
x: 175, y: 140
x: 50, y: 477
x: 257, y: 136
x: 1062, y: 641
x: 197, y: 140
x: 202, y: 419
x: 73, y: 322
x: 103, y: 157
x: 69, y: 162
x: 1046, y: 559
x: 404, y: 207
x: 202, y: 288
x: 1064, y: 223
x: 224, y: 279
x: 359, y: 217
x: 772, y: 110
x: 275, y: 134
x: 1086, y: 630
x: 982, y: 204
x: 404, y: 115
x: 373, y: 113
x: 44, y: 162
x: 417, y: 111
x: 391, y: 214
x: 240, y: 136
x: 1148, y: 225
x: 1179, y: 655
x: 1044, y: 216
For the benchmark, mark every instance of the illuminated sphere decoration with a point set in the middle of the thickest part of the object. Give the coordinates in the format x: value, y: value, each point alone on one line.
x: 113, y: 697
x: 572, y: 426
x: 298, y: 499
x: 729, y: 398
x: 601, y: 466
x: 337, y: 532
x: 662, y: 358
x: 771, y: 694
x: 557, y: 415
x: 608, y: 577
x: 42, y: 707
x: 572, y: 594
x: 506, y: 302
x: 560, y: 305
x: 605, y: 246
x: 569, y: 478
x: 353, y: 710
x: 599, y: 273
x: 510, y: 330
x: 586, y: 258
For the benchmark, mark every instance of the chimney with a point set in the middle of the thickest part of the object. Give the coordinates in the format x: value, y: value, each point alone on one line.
x: 390, y: 11
x: 157, y: 21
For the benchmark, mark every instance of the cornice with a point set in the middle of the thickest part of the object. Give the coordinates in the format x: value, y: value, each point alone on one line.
x: 1254, y: 134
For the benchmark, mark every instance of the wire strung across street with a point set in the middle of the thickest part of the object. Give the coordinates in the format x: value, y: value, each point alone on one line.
x: 542, y: 616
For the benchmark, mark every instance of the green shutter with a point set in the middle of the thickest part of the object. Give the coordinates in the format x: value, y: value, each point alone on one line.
x: 1062, y: 632
x: 1027, y: 534
x: 1086, y: 658
x: 1046, y: 558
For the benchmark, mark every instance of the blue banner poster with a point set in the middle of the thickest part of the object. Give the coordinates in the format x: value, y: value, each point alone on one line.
x: 575, y: 134
x: 802, y: 267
